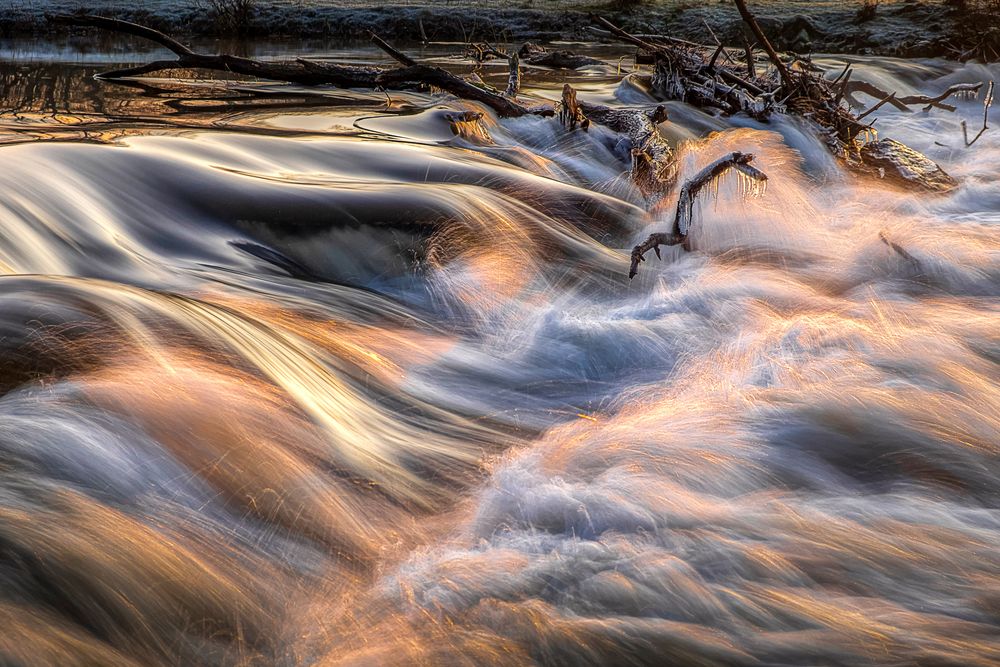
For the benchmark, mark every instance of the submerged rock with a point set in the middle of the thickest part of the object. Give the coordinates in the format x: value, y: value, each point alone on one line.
x: 901, y: 164
x: 536, y: 55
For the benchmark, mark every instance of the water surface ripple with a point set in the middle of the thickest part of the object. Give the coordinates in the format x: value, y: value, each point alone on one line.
x: 295, y: 379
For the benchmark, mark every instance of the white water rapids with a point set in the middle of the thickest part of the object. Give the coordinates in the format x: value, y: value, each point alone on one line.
x: 290, y: 384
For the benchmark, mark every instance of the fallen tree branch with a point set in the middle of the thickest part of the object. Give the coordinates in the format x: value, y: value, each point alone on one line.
x: 903, y: 103
x: 751, y: 22
x: 410, y: 75
x: 970, y: 89
x: 693, y: 75
x: 124, y: 27
x: 440, y: 78
x: 608, y: 33
x: 291, y: 71
x: 504, y: 104
x: 888, y: 98
x: 624, y: 36
x: 398, y: 56
x: 739, y: 162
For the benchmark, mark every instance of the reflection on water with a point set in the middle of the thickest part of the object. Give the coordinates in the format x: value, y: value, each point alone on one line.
x: 307, y: 376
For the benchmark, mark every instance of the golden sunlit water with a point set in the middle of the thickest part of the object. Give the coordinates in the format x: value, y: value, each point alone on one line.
x: 323, y: 377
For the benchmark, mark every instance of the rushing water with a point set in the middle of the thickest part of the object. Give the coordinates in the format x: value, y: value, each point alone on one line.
x: 302, y: 377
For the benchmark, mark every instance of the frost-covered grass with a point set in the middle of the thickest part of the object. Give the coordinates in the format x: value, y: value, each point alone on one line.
x: 897, y: 28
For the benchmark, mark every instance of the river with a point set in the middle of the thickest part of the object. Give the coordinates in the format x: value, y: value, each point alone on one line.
x: 301, y: 377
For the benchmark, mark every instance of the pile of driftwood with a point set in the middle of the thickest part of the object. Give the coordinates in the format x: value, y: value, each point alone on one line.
x: 719, y: 79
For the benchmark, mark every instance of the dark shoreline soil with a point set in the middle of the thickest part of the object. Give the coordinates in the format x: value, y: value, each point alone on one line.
x: 899, y: 28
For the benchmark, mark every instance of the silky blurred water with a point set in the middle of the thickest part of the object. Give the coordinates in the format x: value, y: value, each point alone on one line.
x: 296, y: 377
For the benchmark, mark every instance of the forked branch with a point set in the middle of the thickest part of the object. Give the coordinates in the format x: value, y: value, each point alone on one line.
x: 739, y: 162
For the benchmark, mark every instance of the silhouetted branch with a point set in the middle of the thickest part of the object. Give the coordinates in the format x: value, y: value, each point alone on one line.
x: 681, y: 226
x: 412, y: 73
x: 124, y: 27
x: 904, y: 102
x: 751, y: 22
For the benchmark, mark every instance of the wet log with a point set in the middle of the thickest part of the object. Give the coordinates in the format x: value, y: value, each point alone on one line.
x: 654, y: 167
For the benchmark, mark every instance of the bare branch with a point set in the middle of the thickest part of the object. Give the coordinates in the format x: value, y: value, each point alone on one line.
x: 957, y: 89
x: 396, y: 55
x: 739, y: 162
x: 903, y: 103
x: 457, y: 86
x: 986, y: 110
x: 887, y: 98
x: 600, y: 32
x: 308, y: 72
x: 622, y: 35
x: 123, y: 27
x: 749, y: 19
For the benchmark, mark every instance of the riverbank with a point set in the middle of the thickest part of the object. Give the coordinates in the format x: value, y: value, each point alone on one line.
x: 900, y: 28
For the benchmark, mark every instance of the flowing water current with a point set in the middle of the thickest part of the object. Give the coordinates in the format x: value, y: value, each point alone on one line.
x: 302, y: 377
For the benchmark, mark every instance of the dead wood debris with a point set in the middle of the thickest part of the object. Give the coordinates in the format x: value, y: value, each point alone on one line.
x: 717, y: 78
x: 410, y: 74
x: 693, y: 73
x: 683, y: 215
x: 688, y: 73
x: 905, y: 102
x: 533, y: 54
x: 570, y: 112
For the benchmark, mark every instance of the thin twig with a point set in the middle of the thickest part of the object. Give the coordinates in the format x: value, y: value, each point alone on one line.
x: 888, y: 98
x: 986, y: 110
